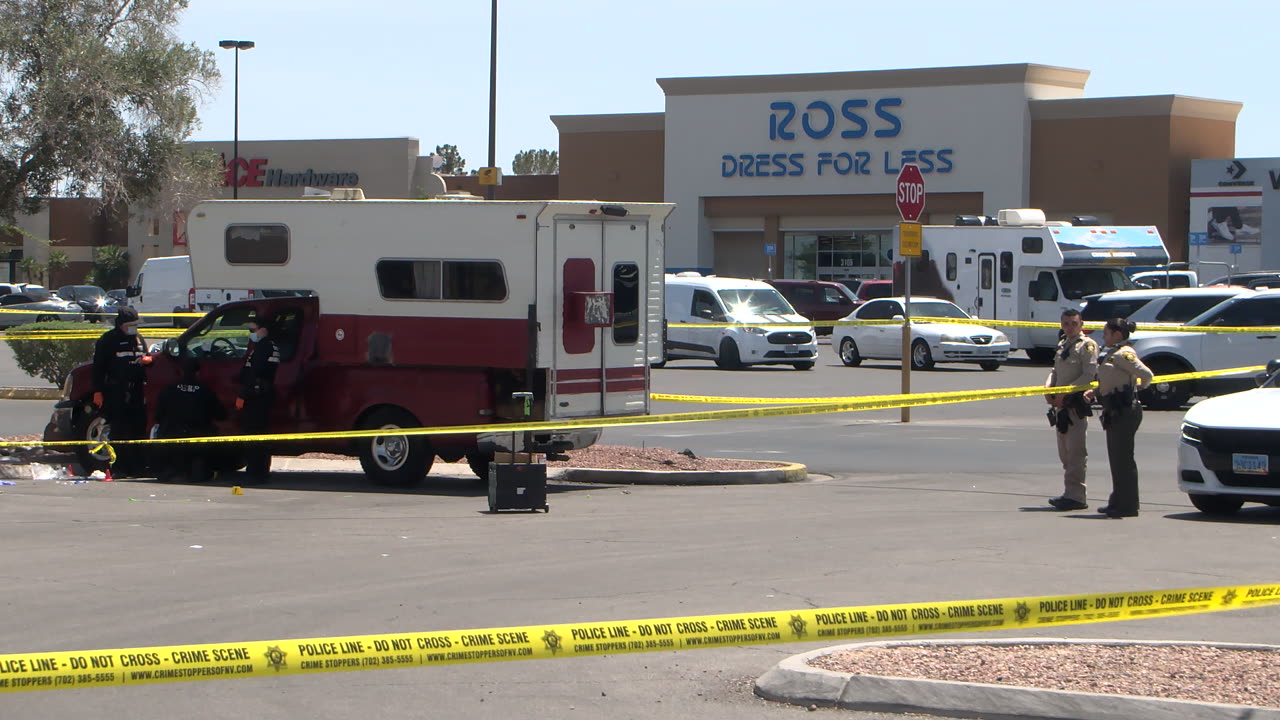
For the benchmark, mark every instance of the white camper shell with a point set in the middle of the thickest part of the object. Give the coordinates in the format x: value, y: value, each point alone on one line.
x: 1025, y: 268
x: 572, y: 289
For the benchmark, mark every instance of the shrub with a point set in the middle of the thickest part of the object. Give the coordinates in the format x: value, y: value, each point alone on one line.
x: 52, y: 360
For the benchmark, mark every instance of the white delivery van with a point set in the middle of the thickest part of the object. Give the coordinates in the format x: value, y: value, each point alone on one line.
x: 163, y: 285
x: 693, y: 298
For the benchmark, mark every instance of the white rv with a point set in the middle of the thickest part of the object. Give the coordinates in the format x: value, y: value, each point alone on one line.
x: 1024, y: 268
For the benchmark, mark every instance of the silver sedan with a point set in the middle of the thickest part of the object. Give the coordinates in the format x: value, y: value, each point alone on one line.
x: 54, y: 308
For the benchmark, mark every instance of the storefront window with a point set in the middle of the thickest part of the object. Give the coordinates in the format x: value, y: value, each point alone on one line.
x: 839, y: 255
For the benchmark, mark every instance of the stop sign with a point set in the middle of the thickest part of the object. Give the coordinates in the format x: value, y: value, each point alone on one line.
x: 910, y: 195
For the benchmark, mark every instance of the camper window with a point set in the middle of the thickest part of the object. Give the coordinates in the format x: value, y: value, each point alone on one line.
x: 257, y: 244
x: 1006, y: 267
x: 626, y: 303
x: 951, y: 266
x: 441, y: 280
x: 1033, y: 244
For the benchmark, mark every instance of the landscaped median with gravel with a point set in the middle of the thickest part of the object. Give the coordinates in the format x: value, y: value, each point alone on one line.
x: 1036, y: 678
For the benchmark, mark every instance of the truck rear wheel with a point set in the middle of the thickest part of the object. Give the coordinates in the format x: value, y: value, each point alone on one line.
x: 394, y: 460
x: 92, y: 426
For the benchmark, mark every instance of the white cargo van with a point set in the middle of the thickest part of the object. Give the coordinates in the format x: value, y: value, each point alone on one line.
x: 693, y: 298
x: 163, y: 285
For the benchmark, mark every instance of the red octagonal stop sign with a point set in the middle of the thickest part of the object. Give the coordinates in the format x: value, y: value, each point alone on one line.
x: 910, y: 194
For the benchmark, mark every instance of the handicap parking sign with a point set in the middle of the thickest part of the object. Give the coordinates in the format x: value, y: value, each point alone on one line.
x: 1236, y: 249
x: 1199, y: 238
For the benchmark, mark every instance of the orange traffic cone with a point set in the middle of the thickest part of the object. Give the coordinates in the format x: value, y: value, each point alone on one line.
x: 108, y: 477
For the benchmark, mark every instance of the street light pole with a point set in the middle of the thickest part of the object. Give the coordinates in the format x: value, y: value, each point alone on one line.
x: 237, y: 46
x: 493, y: 91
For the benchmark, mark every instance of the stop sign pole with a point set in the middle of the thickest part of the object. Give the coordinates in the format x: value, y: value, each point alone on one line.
x: 909, y: 196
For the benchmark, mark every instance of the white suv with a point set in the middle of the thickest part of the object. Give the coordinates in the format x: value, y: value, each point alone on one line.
x: 1177, y: 352
x: 1178, y: 306
x: 1230, y: 449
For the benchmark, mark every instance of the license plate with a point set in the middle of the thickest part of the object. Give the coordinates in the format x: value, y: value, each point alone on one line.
x: 1246, y: 464
x: 792, y: 349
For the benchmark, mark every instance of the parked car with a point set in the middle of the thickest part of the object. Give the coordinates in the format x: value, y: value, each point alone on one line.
x: 817, y: 300
x: 1229, y: 453
x: 1178, y: 352
x: 43, y: 310
x: 693, y: 299
x: 852, y: 283
x: 1166, y: 279
x: 1248, y: 279
x: 930, y: 342
x: 1144, y: 307
x: 873, y: 289
x: 91, y: 299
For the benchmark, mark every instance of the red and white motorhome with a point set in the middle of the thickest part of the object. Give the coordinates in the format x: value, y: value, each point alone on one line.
x: 426, y: 313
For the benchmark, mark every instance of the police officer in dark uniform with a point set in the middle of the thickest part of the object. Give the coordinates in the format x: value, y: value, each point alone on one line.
x: 119, y: 359
x: 1120, y: 376
x: 187, y: 409
x: 257, y: 395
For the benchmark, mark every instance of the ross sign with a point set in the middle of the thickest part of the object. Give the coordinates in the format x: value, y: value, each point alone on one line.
x: 909, y: 239
x: 910, y: 193
x: 770, y: 248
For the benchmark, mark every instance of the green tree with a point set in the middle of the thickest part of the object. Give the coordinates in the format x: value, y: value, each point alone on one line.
x: 451, y: 160
x: 536, y: 162
x: 97, y: 97
x: 110, y: 268
x: 58, y: 260
x: 33, y: 269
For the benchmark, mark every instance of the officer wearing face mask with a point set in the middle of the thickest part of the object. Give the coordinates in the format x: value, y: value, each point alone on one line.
x: 119, y: 358
x: 257, y: 395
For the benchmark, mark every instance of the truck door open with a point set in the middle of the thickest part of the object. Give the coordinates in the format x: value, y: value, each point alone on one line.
x: 601, y: 361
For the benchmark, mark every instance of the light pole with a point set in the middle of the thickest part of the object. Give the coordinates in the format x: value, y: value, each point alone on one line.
x: 493, y: 91
x: 236, y: 45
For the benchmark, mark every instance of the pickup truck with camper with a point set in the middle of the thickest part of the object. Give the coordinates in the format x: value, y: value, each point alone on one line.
x: 1028, y: 269
x: 430, y: 313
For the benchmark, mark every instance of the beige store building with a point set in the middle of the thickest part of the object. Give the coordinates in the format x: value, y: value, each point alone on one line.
x: 793, y: 175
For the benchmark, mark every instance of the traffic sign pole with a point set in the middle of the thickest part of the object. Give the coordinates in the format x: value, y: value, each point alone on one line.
x: 909, y: 196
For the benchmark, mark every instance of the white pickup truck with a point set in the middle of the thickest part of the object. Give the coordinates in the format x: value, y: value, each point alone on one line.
x: 1178, y: 352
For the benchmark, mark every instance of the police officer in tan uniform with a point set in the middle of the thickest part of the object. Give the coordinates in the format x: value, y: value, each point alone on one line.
x: 1074, y: 363
x: 1120, y: 376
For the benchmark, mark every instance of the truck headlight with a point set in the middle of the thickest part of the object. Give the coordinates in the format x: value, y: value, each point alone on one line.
x: 957, y: 339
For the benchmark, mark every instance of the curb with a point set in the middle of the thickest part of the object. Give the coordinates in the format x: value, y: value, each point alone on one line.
x: 795, y: 682
x: 30, y: 393
x: 791, y: 472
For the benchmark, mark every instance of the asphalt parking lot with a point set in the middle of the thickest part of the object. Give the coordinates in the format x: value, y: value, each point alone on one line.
x: 950, y: 506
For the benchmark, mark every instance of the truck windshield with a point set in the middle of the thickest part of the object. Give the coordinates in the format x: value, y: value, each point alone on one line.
x: 755, y: 302
x: 1078, y: 282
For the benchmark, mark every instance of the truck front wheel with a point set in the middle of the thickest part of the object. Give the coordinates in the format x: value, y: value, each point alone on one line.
x: 394, y: 460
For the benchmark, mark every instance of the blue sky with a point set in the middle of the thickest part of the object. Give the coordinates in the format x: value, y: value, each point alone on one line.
x: 388, y: 68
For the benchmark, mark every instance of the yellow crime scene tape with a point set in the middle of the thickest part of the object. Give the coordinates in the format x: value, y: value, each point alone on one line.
x: 176, y: 663
x: 789, y: 407
x: 984, y: 322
